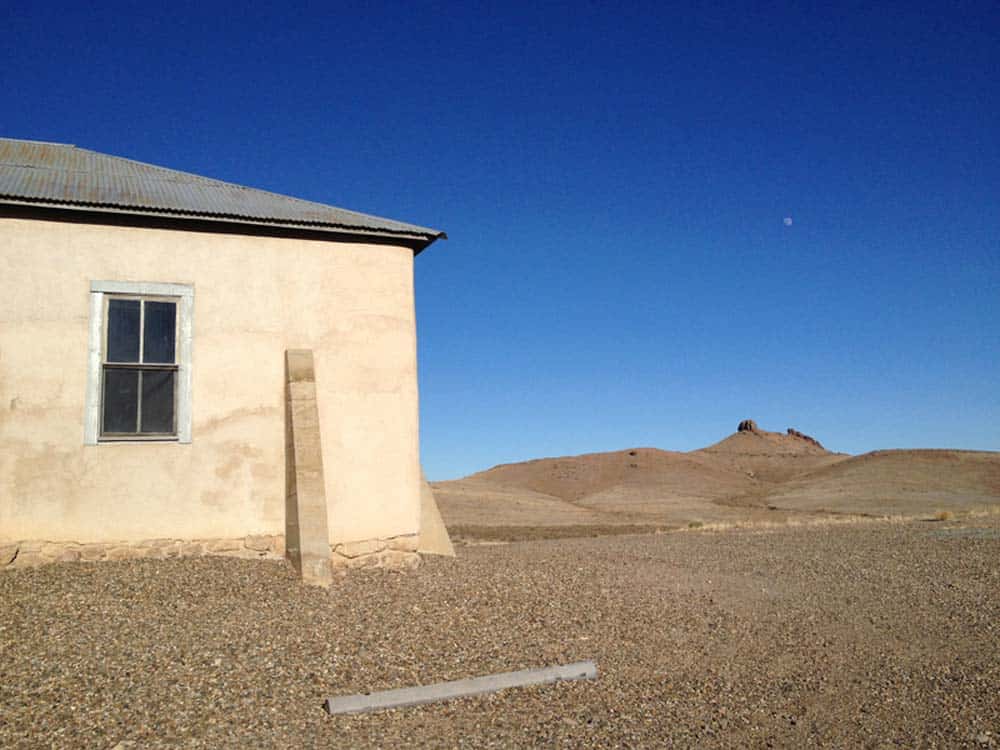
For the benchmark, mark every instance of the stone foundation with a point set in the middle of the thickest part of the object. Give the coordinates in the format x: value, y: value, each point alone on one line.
x: 396, y: 553
x: 27, y: 554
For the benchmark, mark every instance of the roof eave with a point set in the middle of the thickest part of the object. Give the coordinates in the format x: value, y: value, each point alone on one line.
x: 419, y: 241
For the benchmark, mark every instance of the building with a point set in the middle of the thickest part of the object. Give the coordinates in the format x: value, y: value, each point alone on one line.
x: 189, y: 366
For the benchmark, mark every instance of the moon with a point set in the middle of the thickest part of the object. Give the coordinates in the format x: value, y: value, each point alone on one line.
x: 788, y: 221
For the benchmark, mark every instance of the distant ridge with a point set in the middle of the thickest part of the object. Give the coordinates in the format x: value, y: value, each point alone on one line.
x: 752, y: 474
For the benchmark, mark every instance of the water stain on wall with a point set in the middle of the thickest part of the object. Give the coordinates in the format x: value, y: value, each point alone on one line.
x: 236, y: 415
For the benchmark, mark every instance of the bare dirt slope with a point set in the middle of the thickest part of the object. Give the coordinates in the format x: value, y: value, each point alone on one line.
x: 478, y: 500
x: 640, y: 486
x: 896, y: 482
x: 752, y: 475
x: 574, y: 479
x: 769, y: 457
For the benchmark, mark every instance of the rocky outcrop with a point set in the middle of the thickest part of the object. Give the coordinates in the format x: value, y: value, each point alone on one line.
x: 802, y: 436
x: 748, y: 425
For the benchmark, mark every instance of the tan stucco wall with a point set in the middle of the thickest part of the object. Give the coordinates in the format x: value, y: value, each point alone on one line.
x: 255, y: 297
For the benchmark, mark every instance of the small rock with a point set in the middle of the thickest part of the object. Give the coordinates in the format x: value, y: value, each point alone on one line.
x: 258, y: 542
x: 223, y: 545
x: 7, y: 553
x: 192, y: 549
x: 69, y: 554
x: 406, y: 543
x: 397, y: 560
x: 93, y: 552
x: 360, y: 549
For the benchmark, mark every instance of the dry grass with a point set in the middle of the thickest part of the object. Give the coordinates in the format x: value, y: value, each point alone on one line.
x: 845, y: 520
x: 467, y: 534
x: 810, y: 521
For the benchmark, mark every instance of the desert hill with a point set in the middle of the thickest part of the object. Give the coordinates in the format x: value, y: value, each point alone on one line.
x: 576, y: 479
x: 768, y: 456
x: 751, y: 475
x: 892, y: 482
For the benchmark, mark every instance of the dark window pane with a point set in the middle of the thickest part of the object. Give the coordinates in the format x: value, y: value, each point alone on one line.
x: 123, y: 330
x: 121, y: 400
x: 158, y: 400
x: 158, y: 336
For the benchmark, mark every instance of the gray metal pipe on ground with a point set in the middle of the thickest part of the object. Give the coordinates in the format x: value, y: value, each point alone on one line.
x: 442, y: 691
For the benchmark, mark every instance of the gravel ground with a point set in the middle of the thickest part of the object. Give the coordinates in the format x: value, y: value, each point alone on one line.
x: 868, y: 635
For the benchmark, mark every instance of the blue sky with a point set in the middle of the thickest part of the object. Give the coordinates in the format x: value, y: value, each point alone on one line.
x: 615, y: 183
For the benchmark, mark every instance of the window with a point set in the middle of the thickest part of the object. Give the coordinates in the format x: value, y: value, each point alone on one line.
x: 140, y: 368
x: 140, y: 353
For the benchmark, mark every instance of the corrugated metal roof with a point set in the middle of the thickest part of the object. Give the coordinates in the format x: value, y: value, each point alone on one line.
x: 58, y: 174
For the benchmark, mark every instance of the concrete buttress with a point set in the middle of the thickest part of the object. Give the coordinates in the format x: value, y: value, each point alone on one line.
x: 307, y: 538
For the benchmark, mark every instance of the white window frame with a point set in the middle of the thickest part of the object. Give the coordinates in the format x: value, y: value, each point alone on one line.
x: 184, y: 294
